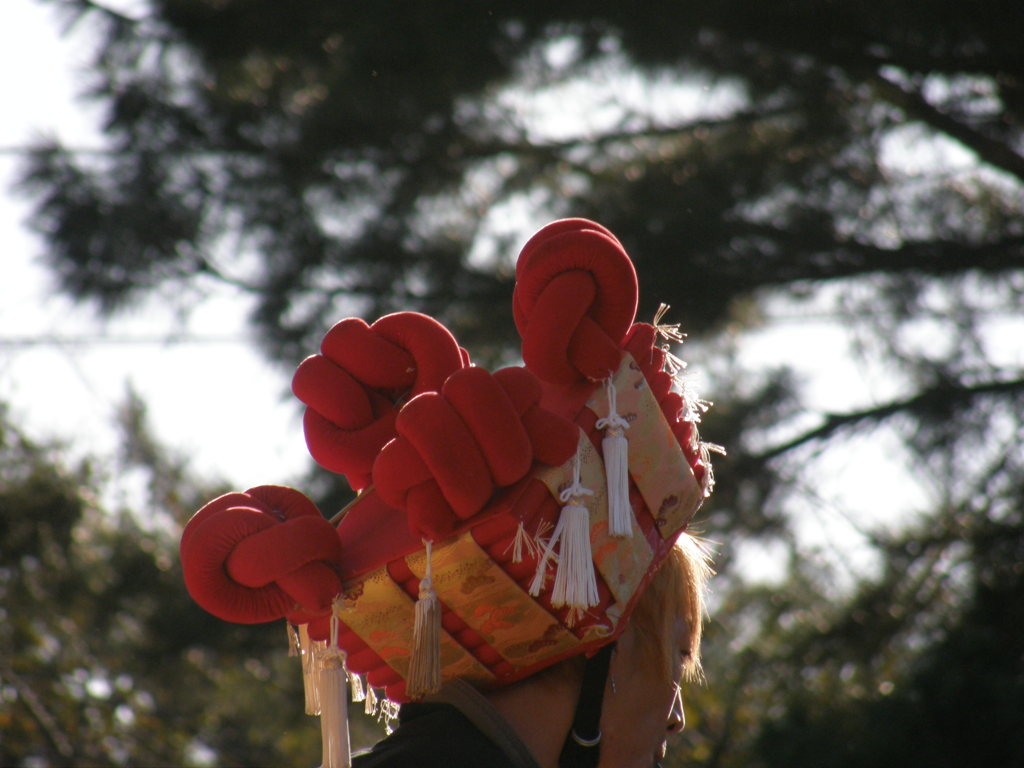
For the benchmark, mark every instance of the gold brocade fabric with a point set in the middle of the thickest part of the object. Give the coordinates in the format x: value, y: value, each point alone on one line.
x: 381, y: 614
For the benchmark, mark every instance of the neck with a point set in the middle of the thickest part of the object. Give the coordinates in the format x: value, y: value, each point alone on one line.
x: 540, y: 710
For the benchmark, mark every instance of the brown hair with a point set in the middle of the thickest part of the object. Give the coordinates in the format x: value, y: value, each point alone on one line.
x: 678, y: 588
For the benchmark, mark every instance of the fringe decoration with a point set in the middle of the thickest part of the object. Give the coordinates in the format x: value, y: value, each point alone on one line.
x: 522, y: 539
x: 693, y: 405
x: 541, y: 538
x: 293, y: 639
x: 706, y: 449
x: 545, y: 552
x: 615, y: 448
x: 425, y: 663
x: 575, y: 583
x: 370, y: 702
x: 356, y: 686
x: 574, y: 616
x: 531, y: 545
x: 674, y: 366
x: 387, y: 713
x: 541, y: 574
x: 668, y: 331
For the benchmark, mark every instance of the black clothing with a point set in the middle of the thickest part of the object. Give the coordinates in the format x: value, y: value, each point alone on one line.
x: 458, y: 728
x: 433, y: 735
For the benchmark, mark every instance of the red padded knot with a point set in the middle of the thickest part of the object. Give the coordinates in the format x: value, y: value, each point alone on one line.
x: 261, y: 555
x: 364, y: 373
x: 456, y: 447
x: 574, y: 301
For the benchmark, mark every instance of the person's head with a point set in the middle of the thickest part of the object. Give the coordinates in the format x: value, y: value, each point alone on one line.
x: 659, y: 649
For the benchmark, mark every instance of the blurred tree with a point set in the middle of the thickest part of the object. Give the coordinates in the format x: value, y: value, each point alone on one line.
x: 852, y: 166
x: 959, y: 703
x: 101, y: 650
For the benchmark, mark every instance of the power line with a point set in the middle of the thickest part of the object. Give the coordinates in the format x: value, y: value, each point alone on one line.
x: 22, y: 342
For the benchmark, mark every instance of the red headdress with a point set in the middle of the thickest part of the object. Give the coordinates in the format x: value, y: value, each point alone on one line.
x: 504, y: 521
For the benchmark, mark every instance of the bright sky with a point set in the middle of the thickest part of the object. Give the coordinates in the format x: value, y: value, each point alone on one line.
x: 217, y: 402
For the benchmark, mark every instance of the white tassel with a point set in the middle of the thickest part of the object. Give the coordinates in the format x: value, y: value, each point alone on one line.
x: 333, y: 702
x: 425, y: 663
x: 334, y: 715
x: 615, y: 448
x: 616, y: 465
x: 575, y: 583
x: 309, y: 685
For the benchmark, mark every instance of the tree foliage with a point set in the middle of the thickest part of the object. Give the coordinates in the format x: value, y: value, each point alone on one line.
x: 848, y: 166
x: 101, y: 650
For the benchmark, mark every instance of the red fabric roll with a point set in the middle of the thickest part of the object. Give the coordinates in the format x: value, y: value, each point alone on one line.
x: 559, y: 227
x: 435, y: 352
x: 261, y: 555
x: 492, y: 418
x: 552, y: 438
x: 574, y: 301
x: 347, y: 452
x: 455, y: 448
x: 555, y: 318
x: 370, y: 357
x: 364, y: 374
x: 428, y: 513
x: 332, y: 393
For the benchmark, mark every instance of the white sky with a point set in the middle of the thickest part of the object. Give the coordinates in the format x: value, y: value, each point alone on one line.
x: 219, y: 403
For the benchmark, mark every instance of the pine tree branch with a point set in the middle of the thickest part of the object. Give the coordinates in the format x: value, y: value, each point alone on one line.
x: 860, y: 64
x: 937, y: 258
x: 469, y: 151
x: 926, y: 400
x: 60, y: 743
x: 81, y: 7
x: 991, y: 151
x: 739, y: 119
